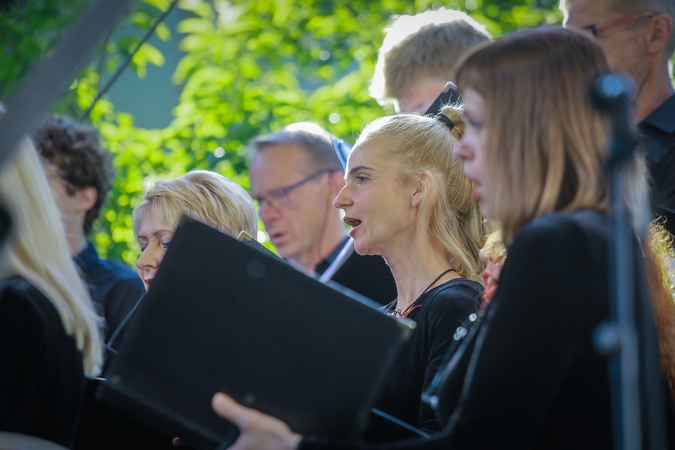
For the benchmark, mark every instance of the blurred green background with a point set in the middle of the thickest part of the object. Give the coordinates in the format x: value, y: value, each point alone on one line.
x: 217, y: 73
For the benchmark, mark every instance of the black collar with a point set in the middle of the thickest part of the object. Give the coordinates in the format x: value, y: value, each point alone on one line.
x: 663, y: 117
x: 88, y: 256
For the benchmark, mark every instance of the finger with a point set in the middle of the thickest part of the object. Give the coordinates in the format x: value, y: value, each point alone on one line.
x: 228, y: 409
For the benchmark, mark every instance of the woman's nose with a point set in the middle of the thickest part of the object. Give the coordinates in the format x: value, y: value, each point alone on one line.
x: 147, y: 259
x: 462, y: 150
x: 343, y: 199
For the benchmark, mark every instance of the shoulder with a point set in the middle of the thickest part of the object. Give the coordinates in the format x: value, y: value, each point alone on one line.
x: 457, y: 296
x: 557, y: 255
x: 18, y: 290
x: 115, y: 275
x: 25, y: 307
x: 120, y: 270
x: 561, y: 232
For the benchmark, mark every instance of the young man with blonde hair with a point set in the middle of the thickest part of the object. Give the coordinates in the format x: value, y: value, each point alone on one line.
x: 418, y: 56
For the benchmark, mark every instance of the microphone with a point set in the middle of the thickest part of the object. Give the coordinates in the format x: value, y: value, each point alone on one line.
x: 612, y: 91
x: 611, y: 94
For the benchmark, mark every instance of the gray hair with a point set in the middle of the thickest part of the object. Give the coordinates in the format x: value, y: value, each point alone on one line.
x: 314, y: 141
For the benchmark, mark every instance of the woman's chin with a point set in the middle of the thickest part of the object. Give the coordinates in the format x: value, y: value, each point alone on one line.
x: 360, y: 248
x: 360, y: 252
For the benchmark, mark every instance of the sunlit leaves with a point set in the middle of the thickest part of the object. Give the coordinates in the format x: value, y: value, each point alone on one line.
x: 247, y: 67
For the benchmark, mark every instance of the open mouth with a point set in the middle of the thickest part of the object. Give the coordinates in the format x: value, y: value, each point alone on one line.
x: 352, y: 222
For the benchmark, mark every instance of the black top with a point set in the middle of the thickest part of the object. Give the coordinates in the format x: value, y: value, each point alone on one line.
x: 533, y: 379
x: 658, y: 136
x: 114, y: 287
x: 368, y: 275
x: 438, y: 314
x: 41, y: 374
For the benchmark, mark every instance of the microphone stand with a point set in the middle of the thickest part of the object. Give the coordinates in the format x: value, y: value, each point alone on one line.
x: 619, y: 338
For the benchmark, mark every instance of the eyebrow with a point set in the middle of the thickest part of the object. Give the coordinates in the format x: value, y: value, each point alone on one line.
x: 157, y: 233
x: 359, y: 168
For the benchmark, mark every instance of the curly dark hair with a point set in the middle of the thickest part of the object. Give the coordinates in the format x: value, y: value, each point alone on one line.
x: 74, y: 149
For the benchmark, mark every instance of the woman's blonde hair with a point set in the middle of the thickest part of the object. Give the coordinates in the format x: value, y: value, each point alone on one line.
x: 38, y: 252
x: 454, y: 219
x: 546, y: 143
x: 204, y: 196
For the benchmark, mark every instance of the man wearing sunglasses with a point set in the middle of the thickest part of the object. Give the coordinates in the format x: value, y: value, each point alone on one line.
x: 296, y: 174
x: 638, y: 39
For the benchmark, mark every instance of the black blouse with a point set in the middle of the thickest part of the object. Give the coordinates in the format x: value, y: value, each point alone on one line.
x: 438, y: 314
x: 530, y: 377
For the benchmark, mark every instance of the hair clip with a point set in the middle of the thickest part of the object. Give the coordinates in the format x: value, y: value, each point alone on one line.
x: 446, y: 120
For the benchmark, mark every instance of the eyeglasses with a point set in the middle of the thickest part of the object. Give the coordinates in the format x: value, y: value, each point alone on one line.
x: 56, y: 175
x: 595, y: 29
x: 279, y: 196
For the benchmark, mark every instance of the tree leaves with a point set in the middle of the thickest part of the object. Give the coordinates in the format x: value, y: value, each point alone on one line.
x: 248, y: 67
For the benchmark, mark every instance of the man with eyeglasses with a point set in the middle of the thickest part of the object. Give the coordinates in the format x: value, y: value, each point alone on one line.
x: 638, y: 39
x: 296, y: 174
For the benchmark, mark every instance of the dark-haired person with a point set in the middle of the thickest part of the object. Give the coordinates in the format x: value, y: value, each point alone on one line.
x: 528, y: 376
x: 81, y: 175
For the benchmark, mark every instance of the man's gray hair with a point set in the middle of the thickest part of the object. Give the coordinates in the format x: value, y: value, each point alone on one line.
x: 313, y: 140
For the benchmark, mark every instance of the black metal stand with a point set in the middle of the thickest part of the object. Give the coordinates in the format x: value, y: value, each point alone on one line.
x: 627, y: 346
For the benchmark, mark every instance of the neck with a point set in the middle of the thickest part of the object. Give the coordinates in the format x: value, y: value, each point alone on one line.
x: 77, y: 241
x: 331, y: 237
x: 414, y: 266
x: 652, y: 93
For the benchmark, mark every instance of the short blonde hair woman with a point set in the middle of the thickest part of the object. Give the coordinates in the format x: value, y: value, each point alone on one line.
x: 202, y: 195
x: 50, y: 331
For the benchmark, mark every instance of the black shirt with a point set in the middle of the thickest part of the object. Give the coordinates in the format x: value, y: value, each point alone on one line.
x: 530, y: 377
x: 658, y: 137
x: 438, y: 314
x: 114, y: 288
x: 368, y: 275
x: 41, y: 370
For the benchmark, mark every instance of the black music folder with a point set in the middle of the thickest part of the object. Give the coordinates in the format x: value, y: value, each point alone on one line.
x: 221, y: 315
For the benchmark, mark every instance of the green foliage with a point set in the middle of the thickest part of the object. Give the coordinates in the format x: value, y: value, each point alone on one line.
x: 249, y: 67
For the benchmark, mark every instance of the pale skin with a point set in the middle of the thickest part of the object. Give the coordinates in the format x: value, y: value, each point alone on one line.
x: 471, y: 150
x: 73, y: 208
x: 307, y: 229
x: 386, y: 218
x: 154, y: 237
x: 638, y: 49
x: 390, y: 221
x: 419, y: 95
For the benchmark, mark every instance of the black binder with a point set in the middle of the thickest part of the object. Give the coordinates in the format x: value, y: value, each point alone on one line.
x: 224, y: 316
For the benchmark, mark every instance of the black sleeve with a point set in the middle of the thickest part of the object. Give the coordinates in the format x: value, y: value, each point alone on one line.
x: 523, y: 349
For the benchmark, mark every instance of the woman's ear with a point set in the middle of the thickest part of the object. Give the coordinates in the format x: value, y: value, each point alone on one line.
x: 421, y: 188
